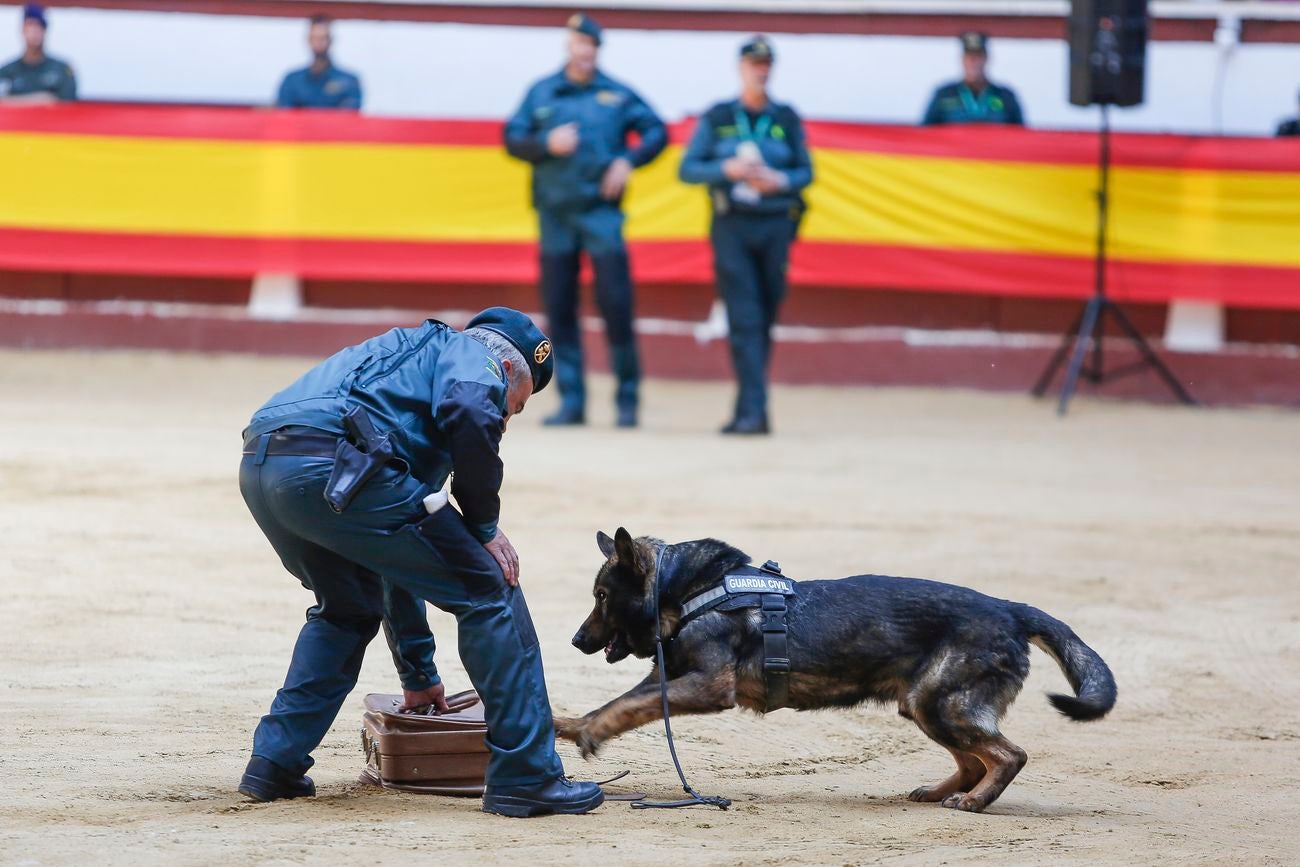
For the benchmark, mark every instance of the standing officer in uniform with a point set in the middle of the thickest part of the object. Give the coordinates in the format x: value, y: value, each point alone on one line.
x: 573, y: 127
x: 751, y: 153
x: 974, y: 99
x: 320, y: 84
x: 35, y: 76
x: 343, y: 472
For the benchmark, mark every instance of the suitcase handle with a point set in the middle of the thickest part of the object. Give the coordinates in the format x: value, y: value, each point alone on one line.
x: 370, y: 747
x: 455, y: 704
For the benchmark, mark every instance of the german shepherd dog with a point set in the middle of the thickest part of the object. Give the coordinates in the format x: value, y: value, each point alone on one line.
x: 952, y: 659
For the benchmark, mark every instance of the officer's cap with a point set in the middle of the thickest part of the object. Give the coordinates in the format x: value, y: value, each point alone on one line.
x: 35, y: 12
x: 758, y: 49
x: 525, y: 336
x: 973, y: 42
x: 586, y: 25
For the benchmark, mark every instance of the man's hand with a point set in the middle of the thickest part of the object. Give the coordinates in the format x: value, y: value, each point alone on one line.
x: 505, y: 555
x: 563, y: 140
x: 768, y: 181
x: 615, y: 179
x: 434, y: 695
x: 739, y: 168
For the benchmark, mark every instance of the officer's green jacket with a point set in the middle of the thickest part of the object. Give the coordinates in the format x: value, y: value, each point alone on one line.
x: 51, y: 75
x: 957, y: 103
x: 441, y: 397
x: 778, y: 133
x: 606, y: 111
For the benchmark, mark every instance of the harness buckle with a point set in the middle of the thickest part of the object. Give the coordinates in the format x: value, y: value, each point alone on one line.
x: 773, y: 609
x: 777, y: 665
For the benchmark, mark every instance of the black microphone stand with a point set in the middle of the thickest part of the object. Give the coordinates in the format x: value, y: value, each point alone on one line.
x: 1090, y: 325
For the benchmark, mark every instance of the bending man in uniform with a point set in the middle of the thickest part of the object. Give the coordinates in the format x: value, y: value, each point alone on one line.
x: 336, y: 471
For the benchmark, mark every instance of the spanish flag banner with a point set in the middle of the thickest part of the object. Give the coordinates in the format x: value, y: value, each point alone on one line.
x: 234, y: 192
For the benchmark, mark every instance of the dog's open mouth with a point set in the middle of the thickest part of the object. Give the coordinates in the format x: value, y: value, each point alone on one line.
x: 617, y: 649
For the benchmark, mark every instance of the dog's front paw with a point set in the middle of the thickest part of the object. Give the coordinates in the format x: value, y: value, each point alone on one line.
x: 568, y: 727
x: 588, y: 743
x: 962, y: 801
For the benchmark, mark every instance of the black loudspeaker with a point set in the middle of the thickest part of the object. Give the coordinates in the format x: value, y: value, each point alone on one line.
x: 1108, y: 51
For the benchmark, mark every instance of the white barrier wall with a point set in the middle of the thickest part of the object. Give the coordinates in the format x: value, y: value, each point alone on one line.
x: 471, y: 71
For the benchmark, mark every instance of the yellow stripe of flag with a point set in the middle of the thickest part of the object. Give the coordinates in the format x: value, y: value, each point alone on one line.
x: 477, y: 193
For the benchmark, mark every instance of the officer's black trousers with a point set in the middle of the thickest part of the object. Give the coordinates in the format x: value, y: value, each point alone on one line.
x: 564, y: 237
x: 751, y: 253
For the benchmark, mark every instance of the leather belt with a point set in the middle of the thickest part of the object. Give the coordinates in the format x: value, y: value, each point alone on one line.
x: 300, y: 444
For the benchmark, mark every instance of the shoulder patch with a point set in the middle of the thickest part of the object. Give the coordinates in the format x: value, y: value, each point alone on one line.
x: 495, y: 369
x: 610, y: 97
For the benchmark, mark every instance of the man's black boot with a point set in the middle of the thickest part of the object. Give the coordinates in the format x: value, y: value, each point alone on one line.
x: 560, y: 795
x: 627, y: 370
x: 264, y: 780
x: 747, y: 426
x: 565, y: 416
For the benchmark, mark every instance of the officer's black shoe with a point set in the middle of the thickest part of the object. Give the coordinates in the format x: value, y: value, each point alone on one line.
x: 264, y: 780
x: 748, y: 426
x: 626, y: 417
x: 560, y: 795
x: 565, y: 416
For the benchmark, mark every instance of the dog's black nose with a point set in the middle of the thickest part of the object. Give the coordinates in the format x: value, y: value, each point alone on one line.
x: 578, y: 639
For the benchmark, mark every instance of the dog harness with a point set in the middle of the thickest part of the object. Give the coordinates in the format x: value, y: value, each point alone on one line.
x: 765, y: 588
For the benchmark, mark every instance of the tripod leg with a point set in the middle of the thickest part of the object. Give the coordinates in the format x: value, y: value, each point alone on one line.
x: 1086, y: 330
x: 1049, y: 372
x: 1151, y: 358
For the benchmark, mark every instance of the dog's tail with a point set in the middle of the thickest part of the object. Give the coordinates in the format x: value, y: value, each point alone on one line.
x: 1089, y: 676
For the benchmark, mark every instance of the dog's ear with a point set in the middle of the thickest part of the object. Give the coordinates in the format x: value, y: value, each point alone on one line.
x: 627, y: 553
x: 605, y: 544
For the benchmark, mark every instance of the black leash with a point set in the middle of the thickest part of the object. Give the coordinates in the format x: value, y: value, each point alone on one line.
x: 695, y: 797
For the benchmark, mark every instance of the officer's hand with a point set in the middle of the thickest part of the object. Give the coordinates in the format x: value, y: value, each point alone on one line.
x: 737, y: 169
x: 506, y: 556
x: 770, y: 181
x: 563, y: 140
x: 615, y: 179
x: 416, y: 699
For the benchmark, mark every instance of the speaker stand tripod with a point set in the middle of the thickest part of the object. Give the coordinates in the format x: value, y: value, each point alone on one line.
x: 1090, y: 325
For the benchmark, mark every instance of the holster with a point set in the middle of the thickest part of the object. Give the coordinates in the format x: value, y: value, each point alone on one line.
x: 357, y: 458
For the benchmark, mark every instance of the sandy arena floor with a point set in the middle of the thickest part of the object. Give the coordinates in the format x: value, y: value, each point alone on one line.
x: 145, y: 624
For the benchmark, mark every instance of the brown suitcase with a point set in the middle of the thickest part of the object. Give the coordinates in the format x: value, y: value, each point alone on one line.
x: 437, y: 754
